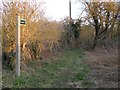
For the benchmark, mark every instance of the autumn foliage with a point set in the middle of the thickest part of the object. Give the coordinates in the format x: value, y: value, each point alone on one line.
x: 103, y: 16
x: 41, y: 35
x: 37, y: 36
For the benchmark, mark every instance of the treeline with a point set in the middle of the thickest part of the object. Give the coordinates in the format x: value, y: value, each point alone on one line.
x: 40, y: 35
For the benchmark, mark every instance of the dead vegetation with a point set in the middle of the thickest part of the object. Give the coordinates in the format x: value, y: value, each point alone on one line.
x: 103, y: 62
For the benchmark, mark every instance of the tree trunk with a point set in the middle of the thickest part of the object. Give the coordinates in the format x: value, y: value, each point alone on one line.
x: 94, y: 43
x: 96, y: 32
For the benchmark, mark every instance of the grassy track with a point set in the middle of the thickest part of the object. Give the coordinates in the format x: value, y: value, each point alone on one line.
x: 67, y: 71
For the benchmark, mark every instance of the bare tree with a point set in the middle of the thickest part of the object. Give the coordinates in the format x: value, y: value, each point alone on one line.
x: 103, y: 16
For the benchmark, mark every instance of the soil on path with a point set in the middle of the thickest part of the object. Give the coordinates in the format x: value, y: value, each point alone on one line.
x: 103, y: 63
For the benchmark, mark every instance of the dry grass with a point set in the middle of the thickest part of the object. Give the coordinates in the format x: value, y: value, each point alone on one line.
x: 103, y: 63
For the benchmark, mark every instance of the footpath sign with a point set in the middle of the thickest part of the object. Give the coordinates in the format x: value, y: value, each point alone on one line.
x: 22, y: 21
x: 18, y: 23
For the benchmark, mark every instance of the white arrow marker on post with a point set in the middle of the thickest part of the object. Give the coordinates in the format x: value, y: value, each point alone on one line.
x: 22, y: 21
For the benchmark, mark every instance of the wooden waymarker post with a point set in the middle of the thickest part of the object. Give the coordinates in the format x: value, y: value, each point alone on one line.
x: 18, y: 23
x: 17, y: 45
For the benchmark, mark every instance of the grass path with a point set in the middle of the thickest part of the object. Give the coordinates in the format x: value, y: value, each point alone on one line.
x: 67, y: 71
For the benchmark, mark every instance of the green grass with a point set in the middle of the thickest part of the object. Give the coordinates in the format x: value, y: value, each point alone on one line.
x: 87, y: 84
x: 0, y: 79
x: 68, y: 68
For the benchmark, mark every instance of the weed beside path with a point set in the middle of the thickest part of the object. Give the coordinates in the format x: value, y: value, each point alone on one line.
x: 104, y: 67
x: 68, y: 70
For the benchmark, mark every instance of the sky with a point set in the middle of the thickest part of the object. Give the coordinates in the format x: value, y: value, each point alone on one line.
x: 59, y: 9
